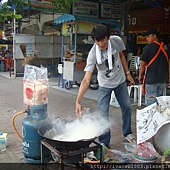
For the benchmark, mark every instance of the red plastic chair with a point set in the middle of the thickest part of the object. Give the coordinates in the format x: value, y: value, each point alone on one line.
x: 8, y: 63
x: 11, y: 69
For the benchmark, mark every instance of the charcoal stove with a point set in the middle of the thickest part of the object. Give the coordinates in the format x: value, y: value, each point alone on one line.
x: 70, y: 156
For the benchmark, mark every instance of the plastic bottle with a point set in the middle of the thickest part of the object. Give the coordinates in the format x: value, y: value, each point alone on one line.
x: 2, y: 143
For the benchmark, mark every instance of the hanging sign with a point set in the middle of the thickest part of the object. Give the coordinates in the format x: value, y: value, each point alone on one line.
x: 85, y: 27
x: 81, y: 27
x: 68, y: 28
x: 106, y: 10
x: 86, y: 9
x: 42, y: 5
x: 141, y: 40
x: 111, y: 10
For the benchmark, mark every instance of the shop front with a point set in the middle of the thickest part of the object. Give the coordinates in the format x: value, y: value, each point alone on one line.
x: 6, y: 56
x: 137, y: 38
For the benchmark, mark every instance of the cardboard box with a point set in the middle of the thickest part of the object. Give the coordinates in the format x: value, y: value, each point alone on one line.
x: 35, y: 92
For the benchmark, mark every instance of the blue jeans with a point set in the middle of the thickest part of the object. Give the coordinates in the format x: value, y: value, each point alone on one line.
x: 123, y: 99
x: 153, y: 91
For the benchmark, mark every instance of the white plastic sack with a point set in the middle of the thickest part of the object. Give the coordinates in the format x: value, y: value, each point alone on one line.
x: 35, y: 89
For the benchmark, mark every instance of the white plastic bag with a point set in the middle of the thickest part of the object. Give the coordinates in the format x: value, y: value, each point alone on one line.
x: 35, y: 89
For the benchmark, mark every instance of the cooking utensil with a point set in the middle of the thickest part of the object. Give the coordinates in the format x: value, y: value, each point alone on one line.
x: 161, y: 139
x: 49, y: 130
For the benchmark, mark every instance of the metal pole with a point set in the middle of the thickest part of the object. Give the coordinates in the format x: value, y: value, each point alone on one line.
x: 14, y: 57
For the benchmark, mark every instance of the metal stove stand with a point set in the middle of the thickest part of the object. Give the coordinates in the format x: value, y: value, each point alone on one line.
x: 63, y: 155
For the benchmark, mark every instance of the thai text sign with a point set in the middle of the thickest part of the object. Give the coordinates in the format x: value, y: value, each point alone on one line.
x: 85, y: 27
x: 81, y: 27
x: 86, y: 9
x: 69, y: 28
x: 141, y: 40
x: 111, y: 11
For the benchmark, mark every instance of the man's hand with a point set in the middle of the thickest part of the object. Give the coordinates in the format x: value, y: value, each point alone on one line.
x: 79, y: 109
x: 130, y: 79
x: 141, y: 71
x: 140, y: 79
x: 82, y: 89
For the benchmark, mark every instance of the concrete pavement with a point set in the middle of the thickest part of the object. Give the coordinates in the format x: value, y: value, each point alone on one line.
x: 61, y: 104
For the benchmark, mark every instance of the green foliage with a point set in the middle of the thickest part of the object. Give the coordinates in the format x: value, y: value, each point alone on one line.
x: 19, y: 3
x: 63, y: 5
x: 7, y: 13
x: 4, y: 15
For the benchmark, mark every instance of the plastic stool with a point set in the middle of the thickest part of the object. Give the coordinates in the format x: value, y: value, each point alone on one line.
x: 137, y: 93
x: 60, y: 76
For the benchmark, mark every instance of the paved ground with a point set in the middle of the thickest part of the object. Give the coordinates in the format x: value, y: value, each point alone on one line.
x: 61, y: 104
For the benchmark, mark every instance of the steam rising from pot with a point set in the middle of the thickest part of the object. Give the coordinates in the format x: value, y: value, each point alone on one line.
x: 91, y: 125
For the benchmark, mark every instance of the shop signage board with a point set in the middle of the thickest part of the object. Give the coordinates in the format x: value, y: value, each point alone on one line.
x: 111, y: 10
x: 86, y: 9
x: 44, y: 5
x: 106, y: 10
x: 69, y: 28
x: 141, y: 40
x: 112, y: 2
x: 80, y: 27
x: 84, y: 27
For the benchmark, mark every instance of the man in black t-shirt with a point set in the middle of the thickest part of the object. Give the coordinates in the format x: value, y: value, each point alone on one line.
x: 157, y: 74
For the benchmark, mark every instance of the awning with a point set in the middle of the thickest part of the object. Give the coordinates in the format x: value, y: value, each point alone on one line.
x: 64, y: 18
x: 162, y: 28
x: 68, y: 17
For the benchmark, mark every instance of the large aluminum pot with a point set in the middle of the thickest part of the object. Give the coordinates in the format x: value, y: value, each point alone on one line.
x: 161, y: 140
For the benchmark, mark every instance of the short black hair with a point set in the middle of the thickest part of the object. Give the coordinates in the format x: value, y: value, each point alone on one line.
x: 99, y: 32
x: 152, y: 31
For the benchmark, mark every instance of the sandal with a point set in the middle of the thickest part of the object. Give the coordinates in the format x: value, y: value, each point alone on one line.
x: 131, y: 138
